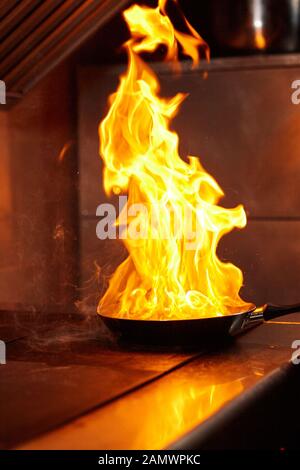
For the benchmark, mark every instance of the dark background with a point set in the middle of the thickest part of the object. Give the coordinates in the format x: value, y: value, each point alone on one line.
x: 240, y: 121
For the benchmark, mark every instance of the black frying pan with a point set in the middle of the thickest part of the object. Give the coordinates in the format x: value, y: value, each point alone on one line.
x: 195, y: 331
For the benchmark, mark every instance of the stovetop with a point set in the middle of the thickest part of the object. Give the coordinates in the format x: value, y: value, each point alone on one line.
x: 68, y: 383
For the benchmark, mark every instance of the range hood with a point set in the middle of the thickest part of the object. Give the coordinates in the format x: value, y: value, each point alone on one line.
x: 36, y: 35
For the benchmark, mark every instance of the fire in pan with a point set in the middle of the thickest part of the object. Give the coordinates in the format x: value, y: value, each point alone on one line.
x: 167, y: 262
x: 194, y: 331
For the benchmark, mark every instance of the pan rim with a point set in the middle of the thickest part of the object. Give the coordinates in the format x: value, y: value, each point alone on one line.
x: 139, y: 320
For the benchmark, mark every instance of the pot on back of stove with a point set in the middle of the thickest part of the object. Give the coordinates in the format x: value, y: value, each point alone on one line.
x: 255, y: 25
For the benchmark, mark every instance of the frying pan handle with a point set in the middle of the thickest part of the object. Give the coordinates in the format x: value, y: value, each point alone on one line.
x: 274, y: 311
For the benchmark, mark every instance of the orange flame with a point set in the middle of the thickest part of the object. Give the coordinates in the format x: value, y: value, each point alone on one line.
x: 260, y: 40
x: 172, y: 271
x: 151, y: 28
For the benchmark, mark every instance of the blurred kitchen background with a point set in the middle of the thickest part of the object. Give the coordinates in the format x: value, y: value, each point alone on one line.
x: 61, y: 59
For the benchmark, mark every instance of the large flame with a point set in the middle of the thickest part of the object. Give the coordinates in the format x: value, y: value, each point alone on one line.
x: 172, y: 271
